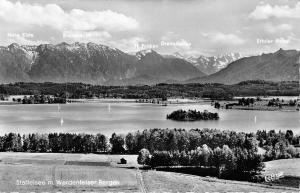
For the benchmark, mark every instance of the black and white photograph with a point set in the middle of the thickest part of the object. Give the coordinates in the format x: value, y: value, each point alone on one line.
x: 149, y: 96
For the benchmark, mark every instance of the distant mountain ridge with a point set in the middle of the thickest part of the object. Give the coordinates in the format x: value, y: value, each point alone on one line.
x: 90, y: 63
x: 210, y: 64
x: 282, y: 65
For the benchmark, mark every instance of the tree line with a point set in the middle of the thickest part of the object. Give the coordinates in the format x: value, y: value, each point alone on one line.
x: 208, y: 90
x: 54, y: 142
x: 277, y: 145
x: 40, y: 99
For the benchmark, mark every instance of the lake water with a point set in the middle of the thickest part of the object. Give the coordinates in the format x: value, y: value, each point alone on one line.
x: 107, y: 118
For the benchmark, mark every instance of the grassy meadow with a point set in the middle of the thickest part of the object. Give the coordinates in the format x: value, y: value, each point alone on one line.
x: 51, y: 167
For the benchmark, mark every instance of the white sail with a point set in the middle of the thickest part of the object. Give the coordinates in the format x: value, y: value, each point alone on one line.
x: 61, y: 121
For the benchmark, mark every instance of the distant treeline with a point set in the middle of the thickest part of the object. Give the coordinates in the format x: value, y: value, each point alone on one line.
x: 40, y: 99
x: 280, y: 103
x: 209, y: 90
x: 192, y: 115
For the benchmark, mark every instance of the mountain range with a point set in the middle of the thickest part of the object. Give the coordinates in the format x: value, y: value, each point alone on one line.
x: 100, y: 64
x: 282, y: 65
x: 90, y: 63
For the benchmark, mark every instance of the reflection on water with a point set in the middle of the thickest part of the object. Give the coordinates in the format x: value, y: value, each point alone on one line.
x: 124, y: 117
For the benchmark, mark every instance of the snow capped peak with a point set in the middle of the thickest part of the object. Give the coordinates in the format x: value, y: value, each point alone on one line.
x: 14, y: 45
x: 191, y: 59
x: 210, y: 64
x: 216, y: 63
x: 178, y: 55
x: 101, y: 47
x: 143, y: 53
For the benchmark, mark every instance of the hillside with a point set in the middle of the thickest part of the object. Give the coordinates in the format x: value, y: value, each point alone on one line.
x: 282, y: 65
x: 155, y: 65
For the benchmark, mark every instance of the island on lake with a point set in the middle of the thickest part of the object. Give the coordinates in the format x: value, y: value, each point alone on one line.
x: 192, y: 115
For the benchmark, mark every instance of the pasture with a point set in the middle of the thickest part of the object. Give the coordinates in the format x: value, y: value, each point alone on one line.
x: 37, y: 170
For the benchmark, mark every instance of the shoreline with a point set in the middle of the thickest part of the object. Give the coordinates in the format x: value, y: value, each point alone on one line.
x: 257, y: 106
x: 262, y: 109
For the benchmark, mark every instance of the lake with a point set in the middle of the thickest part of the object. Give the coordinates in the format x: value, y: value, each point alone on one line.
x: 124, y: 117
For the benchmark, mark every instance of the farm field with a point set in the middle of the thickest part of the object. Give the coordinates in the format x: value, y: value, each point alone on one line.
x: 290, y: 167
x: 156, y: 181
x: 48, y: 172
x: 47, y: 167
x: 98, y: 178
x: 20, y: 157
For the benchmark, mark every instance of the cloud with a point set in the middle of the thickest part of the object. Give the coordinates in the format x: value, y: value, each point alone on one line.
x: 169, y: 36
x: 130, y: 44
x: 23, y: 41
x: 266, y: 11
x: 224, y: 39
x: 87, y: 36
x: 52, y: 15
x: 173, y: 40
x: 282, y: 42
x: 278, y: 28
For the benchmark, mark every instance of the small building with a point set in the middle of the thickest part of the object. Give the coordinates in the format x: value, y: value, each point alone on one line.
x: 123, y: 161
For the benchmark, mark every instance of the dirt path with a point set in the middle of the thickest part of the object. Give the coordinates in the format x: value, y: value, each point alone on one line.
x: 140, y: 181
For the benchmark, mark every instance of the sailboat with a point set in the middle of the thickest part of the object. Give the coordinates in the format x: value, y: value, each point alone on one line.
x: 108, y: 107
x: 61, y: 121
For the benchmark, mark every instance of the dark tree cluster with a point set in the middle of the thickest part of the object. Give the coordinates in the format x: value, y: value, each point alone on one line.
x: 246, y: 101
x: 274, y: 102
x: 280, y: 103
x: 2, y: 97
x: 230, y: 163
x: 41, y: 99
x: 187, y: 140
x: 217, y: 105
x: 279, y: 145
x: 117, y: 143
x: 192, y: 115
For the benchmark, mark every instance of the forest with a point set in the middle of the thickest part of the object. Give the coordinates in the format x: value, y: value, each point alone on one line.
x: 208, y: 90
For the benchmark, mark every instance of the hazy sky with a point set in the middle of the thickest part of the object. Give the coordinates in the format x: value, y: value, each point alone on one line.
x: 191, y: 27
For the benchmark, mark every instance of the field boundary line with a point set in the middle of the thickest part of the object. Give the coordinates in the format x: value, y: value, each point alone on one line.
x: 53, y: 176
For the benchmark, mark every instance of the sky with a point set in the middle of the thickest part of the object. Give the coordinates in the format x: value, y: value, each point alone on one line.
x: 189, y: 27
